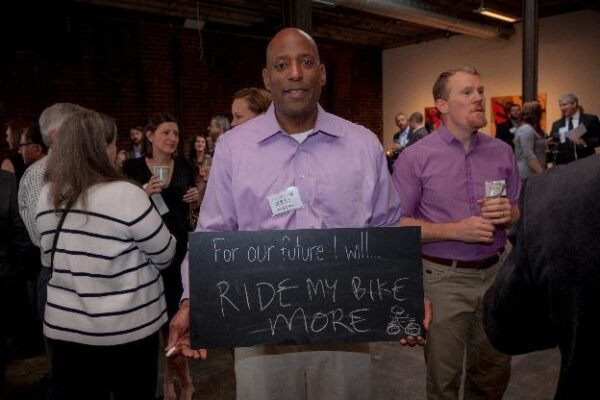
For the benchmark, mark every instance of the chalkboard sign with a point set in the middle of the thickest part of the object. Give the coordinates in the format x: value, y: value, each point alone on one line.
x: 305, y: 286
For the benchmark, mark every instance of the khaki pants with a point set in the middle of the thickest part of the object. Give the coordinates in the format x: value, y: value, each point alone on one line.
x: 457, y: 332
x: 312, y: 375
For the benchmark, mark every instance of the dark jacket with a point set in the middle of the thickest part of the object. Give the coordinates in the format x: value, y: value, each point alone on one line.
x: 567, y: 152
x: 505, y: 131
x: 15, y: 247
x: 547, y: 293
x: 416, y: 135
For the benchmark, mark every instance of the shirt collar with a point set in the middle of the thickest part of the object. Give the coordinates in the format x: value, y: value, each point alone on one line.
x: 448, y: 137
x: 325, y: 123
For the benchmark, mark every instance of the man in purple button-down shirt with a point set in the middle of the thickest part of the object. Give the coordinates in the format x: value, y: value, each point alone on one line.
x: 336, y: 176
x: 441, y: 184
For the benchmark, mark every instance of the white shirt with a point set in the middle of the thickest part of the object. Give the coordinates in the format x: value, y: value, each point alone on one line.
x: 574, y: 119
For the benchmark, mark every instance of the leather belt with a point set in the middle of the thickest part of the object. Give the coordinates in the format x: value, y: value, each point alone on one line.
x: 477, y: 264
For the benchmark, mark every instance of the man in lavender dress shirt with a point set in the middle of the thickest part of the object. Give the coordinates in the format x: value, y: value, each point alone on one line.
x: 441, y: 184
x: 337, y: 173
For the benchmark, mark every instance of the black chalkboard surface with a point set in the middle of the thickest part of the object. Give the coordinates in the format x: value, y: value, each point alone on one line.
x: 305, y: 286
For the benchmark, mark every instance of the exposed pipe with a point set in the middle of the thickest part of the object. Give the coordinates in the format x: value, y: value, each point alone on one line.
x: 530, y: 50
x: 423, y: 14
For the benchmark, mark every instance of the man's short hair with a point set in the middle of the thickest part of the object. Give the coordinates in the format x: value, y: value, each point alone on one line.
x: 439, y: 87
x: 54, y: 116
x: 416, y: 117
x: 223, y: 122
x: 509, y: 105
x: 33, y: 135
x: 568, y: 98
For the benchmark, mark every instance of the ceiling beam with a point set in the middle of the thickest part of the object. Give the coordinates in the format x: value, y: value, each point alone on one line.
x: 428, y: 15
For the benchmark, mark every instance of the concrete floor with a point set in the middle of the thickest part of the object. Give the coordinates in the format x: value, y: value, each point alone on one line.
x: 398, y: 373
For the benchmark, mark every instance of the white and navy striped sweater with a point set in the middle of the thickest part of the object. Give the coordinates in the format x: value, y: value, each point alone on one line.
x: 106, y: 287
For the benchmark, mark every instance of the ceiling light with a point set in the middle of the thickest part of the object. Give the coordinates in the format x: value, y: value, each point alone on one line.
x: 489, y: 12
x: 496, y: 14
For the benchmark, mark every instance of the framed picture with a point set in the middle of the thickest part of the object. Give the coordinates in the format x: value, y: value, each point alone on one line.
x: 499, y: 112
x: 432, y: 119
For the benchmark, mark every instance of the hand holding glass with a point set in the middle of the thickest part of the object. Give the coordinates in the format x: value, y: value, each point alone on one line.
x: 162, y: 172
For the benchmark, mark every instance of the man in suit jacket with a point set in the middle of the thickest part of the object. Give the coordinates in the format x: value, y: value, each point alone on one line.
x: 417, y: 128
x: 571, y: 150
x: 401, y: 137
x: 400, y: 140
x: 546, y: 293
x: 505, y: 131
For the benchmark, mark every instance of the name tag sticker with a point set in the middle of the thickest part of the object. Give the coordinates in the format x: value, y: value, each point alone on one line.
x: 159, y: 203
x: 284, y: 201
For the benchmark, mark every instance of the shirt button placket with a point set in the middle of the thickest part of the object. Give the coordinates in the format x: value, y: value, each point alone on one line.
x: 299, y: 176
x: 470, y: 186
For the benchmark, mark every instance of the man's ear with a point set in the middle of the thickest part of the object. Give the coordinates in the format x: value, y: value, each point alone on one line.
x: 266, y: 80
x: 38, y: 149
x: 323, y: 74
x: 441, y: 105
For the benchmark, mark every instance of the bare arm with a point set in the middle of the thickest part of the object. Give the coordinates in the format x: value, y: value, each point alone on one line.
x: 473, y: 229
x: 470, y: 230
x: 179, y: 334
x: 7, y: 165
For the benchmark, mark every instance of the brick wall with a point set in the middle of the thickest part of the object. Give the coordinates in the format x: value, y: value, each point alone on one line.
x: 129, y: 65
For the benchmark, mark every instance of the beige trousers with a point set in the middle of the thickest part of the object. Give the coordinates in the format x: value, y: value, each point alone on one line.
x: 312, y: 375
x: 456, y: 336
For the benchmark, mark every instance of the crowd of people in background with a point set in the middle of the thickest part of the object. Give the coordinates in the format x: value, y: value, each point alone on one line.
x: 109, y: 229
x: 522, y: 130
x: 175, y: 197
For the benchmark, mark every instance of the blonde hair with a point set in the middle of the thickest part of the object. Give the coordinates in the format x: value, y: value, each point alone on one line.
x: 439, y: 87
x: 258, y: 99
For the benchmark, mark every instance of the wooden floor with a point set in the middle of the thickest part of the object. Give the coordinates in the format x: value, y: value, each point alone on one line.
x: 398, y: 373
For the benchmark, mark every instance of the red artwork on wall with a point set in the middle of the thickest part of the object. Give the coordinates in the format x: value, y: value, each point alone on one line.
x: 432, y: 119
x: 498, y: 112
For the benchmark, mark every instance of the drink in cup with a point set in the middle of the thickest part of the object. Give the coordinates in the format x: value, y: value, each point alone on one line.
x: 162, y: 171
x: 494, y: 189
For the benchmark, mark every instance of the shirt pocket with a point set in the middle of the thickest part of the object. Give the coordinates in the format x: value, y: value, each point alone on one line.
x: 441, y: 189
x: 338, y: 200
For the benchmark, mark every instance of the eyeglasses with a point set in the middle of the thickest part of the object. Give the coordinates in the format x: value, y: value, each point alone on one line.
x: 25, y: 144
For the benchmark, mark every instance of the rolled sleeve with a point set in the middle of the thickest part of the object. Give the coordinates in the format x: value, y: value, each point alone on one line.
x: 513, y: 183
x: 407, y: 185
x: 386, y: 203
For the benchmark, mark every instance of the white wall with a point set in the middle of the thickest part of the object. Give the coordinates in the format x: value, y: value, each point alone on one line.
x: 569, y: 61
